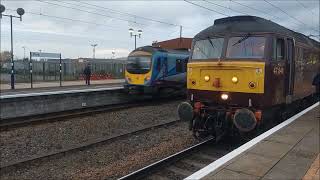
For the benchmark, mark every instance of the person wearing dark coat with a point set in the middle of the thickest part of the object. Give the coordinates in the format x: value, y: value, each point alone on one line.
x: 87, y: 74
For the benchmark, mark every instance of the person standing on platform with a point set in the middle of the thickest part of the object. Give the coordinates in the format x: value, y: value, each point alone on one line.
x: 87, y: 74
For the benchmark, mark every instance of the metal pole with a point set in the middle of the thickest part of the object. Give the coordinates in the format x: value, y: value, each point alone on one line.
x: 30, y: 66
x: 60, y: 70
x: 12, y: 63
x: 94, y: 52
x: 180, y: 36
x: 24, y: 52
x: 135, y: 41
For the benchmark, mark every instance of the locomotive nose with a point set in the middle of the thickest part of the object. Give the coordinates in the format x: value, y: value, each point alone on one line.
x: 244, y: 120
x: 185, y: 111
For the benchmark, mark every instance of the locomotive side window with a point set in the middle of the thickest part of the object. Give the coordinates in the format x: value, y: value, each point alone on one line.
x: 279, y: 49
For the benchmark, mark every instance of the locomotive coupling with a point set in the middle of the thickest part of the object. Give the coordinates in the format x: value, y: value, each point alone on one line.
x: 244, y: 120
x: 185, y: 111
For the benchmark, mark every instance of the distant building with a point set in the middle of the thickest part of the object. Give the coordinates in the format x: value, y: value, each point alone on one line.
x: 177, y: 43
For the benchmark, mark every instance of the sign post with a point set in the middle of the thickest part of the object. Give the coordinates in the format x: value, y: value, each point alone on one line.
x: 30, y: 68
x: 47, y: 55
x: 60, y: 70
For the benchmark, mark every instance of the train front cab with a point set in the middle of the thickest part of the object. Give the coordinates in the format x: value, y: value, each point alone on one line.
x: 138, y: 72
x: 238, y: 82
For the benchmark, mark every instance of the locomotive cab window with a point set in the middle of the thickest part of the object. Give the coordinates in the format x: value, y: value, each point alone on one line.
x: 278, y: 49
x: 246, y: 47
x: 210, y: 48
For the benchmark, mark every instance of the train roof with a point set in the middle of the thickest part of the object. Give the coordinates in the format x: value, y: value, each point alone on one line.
x: 151, y: 49
x: 250, y: 24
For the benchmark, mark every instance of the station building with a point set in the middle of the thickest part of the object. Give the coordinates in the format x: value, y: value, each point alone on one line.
x: 176, y: 43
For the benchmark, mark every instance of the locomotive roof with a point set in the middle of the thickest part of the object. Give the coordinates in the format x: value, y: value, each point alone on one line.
x: 250, y: 24
x: 155, y: 49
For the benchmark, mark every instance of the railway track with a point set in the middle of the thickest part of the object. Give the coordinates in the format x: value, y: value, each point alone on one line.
x: 185, y: 162
x: 192, y: 159
x: 6, y: 124
x: 80, y: 147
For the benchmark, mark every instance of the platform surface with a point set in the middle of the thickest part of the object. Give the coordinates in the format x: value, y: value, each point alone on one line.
x: 24, y: 88
x: 291, y: 152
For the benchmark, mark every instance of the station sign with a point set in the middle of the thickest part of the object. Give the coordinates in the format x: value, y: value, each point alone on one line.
x: 47, y: 55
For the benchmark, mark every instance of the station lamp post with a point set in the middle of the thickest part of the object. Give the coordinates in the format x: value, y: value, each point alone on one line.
x: 94, y: 50
x: 20, y: 12
x: 24, y: 52
x: 135, y: 34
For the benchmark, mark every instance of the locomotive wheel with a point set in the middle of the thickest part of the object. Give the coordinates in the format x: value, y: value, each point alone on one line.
x: 199, y: 135
x: 196, y: 132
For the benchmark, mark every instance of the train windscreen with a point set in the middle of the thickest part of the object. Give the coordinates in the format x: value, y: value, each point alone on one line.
x: 246, y: 47
x: 208, y: 48
x: 138, y: 64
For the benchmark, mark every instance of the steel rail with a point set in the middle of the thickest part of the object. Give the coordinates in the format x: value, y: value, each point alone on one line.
x: 170, y: 159
x: 6, y: 124
x: 82, y: 146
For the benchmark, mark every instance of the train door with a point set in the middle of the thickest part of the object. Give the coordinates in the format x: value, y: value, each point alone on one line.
x: 162, y: 66
x: 165, y: 66
x: 289, y: 70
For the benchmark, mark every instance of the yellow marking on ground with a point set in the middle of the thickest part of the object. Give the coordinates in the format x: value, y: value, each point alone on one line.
x: 313, y: 172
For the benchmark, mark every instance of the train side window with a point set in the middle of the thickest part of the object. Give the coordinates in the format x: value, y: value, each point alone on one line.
x: 179, y: 65
x: 278, y: 49
x: 158, y: 65
x: 185, y: 63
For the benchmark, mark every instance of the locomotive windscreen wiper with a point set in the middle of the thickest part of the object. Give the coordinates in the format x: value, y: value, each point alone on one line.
x: 211, y: 43
x: 242, y: 39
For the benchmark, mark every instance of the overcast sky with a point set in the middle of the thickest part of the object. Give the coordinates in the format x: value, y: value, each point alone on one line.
x: 106, y: 23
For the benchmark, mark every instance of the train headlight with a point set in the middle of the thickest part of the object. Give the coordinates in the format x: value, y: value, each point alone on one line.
x: 234, y: 79
x: 147, y: 78
x: 224, y: 96
x: 128, y: 79
x: 206, y: 78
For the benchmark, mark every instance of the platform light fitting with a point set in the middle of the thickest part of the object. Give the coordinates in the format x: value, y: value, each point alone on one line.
x: 2, y: 8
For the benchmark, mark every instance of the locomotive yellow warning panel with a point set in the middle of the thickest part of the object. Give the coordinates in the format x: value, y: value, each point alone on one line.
x: 230, y: 76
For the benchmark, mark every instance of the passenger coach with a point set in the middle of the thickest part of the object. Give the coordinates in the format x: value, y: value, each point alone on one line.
x: 243, y: 72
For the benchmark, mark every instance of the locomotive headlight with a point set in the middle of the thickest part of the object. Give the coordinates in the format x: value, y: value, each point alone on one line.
x: 234, y: 79
x: 206, y: 78
x: 224, y: 96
